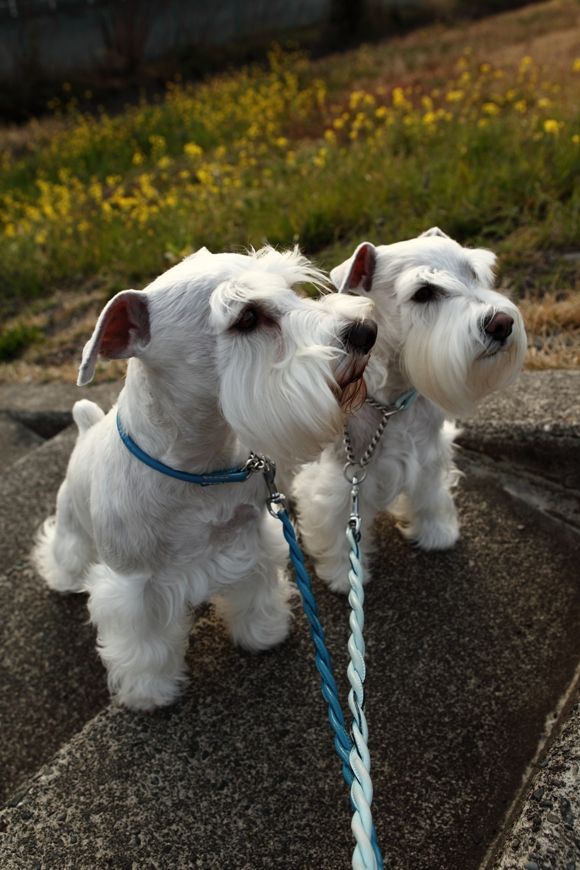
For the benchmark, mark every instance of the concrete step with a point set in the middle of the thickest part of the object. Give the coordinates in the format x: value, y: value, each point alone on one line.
x: 51, y: 681
x: 469, y: 653
x: 535, y: 423
x: 15, y: 440
x: 545, y: 832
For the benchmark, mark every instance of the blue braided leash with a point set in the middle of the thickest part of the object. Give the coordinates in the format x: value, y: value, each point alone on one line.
x: 342, y: 741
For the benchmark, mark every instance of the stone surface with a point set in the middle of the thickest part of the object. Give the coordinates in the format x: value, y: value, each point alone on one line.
x: 468, y: 654
x: 15, y: 440
x: 536, y: 423
x: 54, y: 397
x: 546, y: 834
x: 50, y: 678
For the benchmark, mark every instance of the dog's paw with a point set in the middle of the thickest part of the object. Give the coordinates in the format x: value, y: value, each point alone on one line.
x: 336, y: 577
x: 431, y: 536
x: 56, y: 576
x: 261, y: 632
x: 149, y: 691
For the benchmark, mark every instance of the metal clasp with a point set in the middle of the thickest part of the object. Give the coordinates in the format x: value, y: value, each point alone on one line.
x: 277, y: 500
x: 354, y: 521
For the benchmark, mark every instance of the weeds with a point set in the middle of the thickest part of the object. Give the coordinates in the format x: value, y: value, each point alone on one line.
x: 493, y: 157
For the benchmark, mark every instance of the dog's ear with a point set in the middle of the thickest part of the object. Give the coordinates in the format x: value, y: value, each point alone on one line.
x: 483, y: 263
x: 122, y: 331
x: 434, y: 231
x: 357, y: 273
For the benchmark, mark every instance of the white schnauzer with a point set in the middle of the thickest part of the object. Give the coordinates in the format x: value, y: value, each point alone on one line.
x: 225, y: 358
x: 445, y: 339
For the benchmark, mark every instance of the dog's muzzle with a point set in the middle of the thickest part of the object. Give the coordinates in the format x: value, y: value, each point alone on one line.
x: 358, y: 340
x: 497, y: 328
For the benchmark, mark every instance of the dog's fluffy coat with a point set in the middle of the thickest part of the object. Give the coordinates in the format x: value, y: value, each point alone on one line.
x: 433, y: 304
x: 225, y: 358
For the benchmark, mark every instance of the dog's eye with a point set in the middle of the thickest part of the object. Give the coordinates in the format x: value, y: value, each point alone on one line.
x: 426, y: 293
x: 248, y: 319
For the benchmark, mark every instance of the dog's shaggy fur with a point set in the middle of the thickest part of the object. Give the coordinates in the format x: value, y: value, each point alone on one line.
x: 225, y: 358
x: 442, y: 330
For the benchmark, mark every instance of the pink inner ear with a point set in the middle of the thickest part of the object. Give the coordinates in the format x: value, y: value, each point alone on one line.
x: 116, y: 334
x: 363, y: 268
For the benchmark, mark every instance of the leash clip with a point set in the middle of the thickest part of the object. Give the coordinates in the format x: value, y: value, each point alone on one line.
x: 354, y: 521
x: 277, y: 500
x: 257, y: 462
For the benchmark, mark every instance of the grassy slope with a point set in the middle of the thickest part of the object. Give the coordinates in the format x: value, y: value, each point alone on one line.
x: 474, y: 128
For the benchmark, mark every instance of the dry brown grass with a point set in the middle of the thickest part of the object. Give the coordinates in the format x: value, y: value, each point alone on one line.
x: 553, y: 325
x: 550, y: 32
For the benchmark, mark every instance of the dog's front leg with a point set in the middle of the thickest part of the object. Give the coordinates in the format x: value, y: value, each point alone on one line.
x: 256, y: 607
x: 143, y: 624
x: 429, y: 512
x: 323, y: 507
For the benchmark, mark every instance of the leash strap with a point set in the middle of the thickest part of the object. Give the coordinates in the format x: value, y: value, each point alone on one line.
x: 367, y: 854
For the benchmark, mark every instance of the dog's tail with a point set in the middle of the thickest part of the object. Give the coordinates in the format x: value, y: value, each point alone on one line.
x: 86, y: 414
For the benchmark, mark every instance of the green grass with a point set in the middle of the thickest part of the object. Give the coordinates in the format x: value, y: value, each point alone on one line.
x: 292, y: 153
x: 15, y: 340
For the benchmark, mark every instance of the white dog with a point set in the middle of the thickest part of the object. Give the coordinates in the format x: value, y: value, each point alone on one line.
x: 442, y: 331
x: 226, y: 358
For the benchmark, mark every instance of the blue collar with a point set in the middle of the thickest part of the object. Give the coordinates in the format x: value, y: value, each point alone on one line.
x: 407, y: 399
x: 228, y: 475
x: 401, y: 404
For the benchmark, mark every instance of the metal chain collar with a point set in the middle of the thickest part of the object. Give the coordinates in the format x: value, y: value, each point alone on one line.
x: 354, y: 468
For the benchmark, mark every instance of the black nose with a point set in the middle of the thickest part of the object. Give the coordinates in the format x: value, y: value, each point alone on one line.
x: 498, y: 326
x: 360, y: 336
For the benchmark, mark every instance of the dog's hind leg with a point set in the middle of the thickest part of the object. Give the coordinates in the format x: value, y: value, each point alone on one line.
x: 256, y: 608
x: 143, y: 625
x: 63, y: 550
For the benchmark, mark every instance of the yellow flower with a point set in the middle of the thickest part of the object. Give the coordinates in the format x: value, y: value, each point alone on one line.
x: 192, y: 149
x: 399, y: 99
x: 552, y: 127
x: 10, y: 231
x: 137, y: 158
x: 490, y: 109
x: 575, y: 140
x: 576, y: 65
x: 429, y: 118
x: 520, y: 106
x: 454, y: 96
x: 544, y: 102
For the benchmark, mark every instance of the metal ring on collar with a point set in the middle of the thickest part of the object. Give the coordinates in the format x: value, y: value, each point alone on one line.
x: 354, y: 472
